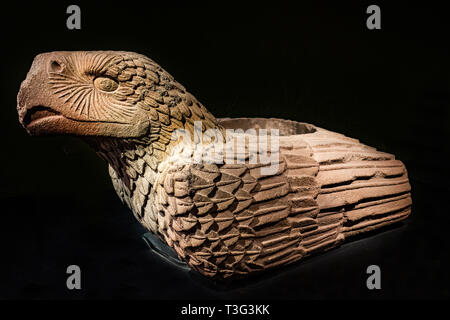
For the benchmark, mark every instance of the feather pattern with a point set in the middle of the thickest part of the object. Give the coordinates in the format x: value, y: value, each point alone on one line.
x: 228, y: 220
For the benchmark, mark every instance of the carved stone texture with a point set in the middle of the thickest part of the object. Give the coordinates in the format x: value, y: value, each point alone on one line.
x: 223, y: 219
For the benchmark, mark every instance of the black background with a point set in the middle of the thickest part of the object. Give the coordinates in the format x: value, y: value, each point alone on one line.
x: 312, y: 63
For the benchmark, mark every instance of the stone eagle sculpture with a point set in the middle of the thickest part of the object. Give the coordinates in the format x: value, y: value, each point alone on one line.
x: 224, y: 219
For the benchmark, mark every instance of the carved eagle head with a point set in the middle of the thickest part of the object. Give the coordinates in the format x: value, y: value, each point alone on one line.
x: 99, y: 93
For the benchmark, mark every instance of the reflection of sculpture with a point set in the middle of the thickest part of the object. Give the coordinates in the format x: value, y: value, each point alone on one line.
x: 222, y: 219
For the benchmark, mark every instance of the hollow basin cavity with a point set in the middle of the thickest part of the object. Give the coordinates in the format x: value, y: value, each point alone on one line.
x: 285, y: 127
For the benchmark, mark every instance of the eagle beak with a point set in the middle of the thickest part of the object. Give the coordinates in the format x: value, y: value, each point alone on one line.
x: 33, y: 103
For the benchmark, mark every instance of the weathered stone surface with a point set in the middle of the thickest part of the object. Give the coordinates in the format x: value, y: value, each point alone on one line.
x: 223, y: 219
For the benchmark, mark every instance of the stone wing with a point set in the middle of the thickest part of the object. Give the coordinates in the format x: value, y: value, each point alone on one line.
x: 230, y: 220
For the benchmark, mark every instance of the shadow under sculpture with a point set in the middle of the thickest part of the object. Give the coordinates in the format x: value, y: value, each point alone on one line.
x: 227, y: 196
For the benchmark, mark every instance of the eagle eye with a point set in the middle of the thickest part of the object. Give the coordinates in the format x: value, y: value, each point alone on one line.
x: 106, y: 84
